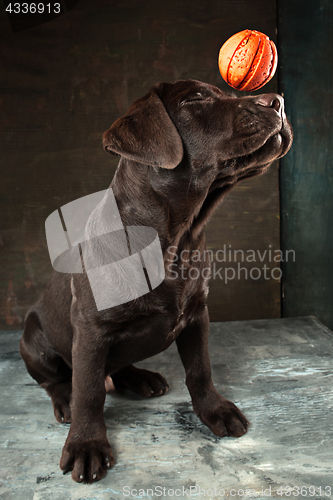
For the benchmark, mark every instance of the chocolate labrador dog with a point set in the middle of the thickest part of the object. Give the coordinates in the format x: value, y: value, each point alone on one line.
x: 182, y: 147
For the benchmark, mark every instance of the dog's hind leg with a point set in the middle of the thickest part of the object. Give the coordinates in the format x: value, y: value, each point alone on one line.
x: 143, y: 382
x: 47, y: 367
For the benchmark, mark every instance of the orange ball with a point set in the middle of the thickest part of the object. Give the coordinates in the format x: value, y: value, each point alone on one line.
x: 248, y: 60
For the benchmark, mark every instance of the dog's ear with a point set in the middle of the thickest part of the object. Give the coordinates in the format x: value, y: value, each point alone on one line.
x: 146, y: 134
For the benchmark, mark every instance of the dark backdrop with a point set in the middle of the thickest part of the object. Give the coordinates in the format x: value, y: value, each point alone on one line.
x: 306, y: 72
x: 62, y: 85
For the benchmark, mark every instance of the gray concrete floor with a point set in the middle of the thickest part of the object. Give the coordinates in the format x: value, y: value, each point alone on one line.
x: 279, y: 372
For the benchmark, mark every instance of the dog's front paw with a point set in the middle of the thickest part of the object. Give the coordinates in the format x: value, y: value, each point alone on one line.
x: 88, y: 460
x: 225, y: 420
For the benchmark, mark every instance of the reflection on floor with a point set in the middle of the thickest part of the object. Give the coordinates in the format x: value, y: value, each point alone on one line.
x: 279, y: 373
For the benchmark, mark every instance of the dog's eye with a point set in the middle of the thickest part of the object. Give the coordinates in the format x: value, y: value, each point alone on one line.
x: 192, y: 98
x: 196, y: 97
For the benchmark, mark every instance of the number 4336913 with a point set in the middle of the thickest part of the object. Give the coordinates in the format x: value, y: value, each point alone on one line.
x: 33, y: 8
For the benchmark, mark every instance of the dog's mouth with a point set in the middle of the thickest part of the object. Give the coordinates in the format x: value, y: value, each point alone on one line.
x: 278, y: 144
x: 261, y: 129
x: 283, y: 139
x: 259, y: 160
x: 286, y: 141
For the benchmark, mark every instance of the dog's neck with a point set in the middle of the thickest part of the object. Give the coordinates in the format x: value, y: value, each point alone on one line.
x: 171, y: 204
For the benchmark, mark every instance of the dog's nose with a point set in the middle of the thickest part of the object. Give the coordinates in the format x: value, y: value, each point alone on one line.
x: 274, y: 101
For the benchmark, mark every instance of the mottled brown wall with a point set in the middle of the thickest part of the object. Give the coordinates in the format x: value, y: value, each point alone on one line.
x: 63, y: 83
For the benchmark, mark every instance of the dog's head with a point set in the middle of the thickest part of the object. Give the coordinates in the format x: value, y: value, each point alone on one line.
x: 196, y: 126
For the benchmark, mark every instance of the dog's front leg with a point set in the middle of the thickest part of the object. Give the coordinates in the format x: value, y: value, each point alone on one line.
x: 87, y: 452
x: 219, y: 414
